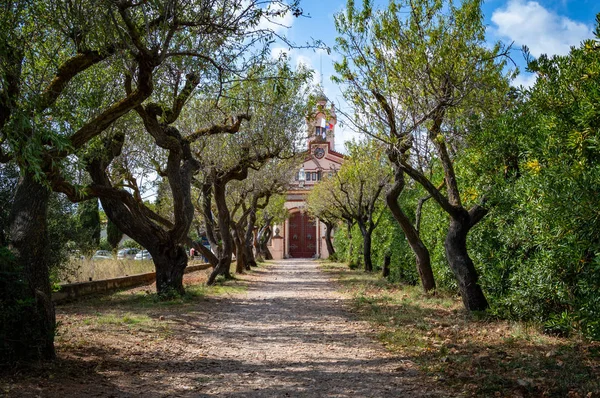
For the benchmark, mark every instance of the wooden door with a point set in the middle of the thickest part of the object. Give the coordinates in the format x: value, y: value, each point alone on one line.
x: 302, y: 239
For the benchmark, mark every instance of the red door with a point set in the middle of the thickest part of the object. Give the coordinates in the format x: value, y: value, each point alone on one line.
x: 302, y: 237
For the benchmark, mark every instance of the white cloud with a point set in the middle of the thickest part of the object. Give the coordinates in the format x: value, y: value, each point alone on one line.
x: 344, y: 134
x: 278, y: 24
x: 277, y: 52
x: 303, y: 59
x: 306, y: 61
x: 526, y: 80
x: 544, y: 32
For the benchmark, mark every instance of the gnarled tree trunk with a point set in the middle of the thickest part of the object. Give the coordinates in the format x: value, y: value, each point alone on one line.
x: 249, y: 240
x: 412, y: 235
x: 29, y: 243
x: 169, y: 256
x: 328, y: 243
x: 462, y: 265
x: 170, y: 262
x: 240, y: 256
x: 366, y: 233
x: 263, y: 238
x: 211, y: 234
x: 222, y: 267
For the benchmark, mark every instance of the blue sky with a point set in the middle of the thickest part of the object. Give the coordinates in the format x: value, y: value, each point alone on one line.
x: 545, y: 26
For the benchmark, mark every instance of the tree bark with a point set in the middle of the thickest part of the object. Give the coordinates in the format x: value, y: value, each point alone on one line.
x: 169, y: 257
x: 328, y: 230
x: 209, y: 255
x: 366, y: 233
x: 240, y: 256
x: 164, y: 247
x: 461, y: 222
x: 412, y: 235
x: 224, y: 219
x: 263, y: 238
x: 249, y: 240
x: 386, y: 265
x: 462, y: 265
x: 211, y: 234
x: 30, y: 245
x: 170, y: 262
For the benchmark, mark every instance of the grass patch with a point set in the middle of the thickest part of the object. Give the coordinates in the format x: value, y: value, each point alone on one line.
x: 126, y: 319
x: 473, y: 354
x: 136, y: 319
x: 140, y: 305
x: 147, y: 299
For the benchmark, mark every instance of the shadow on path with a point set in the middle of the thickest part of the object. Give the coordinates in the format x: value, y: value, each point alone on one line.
x: 289, y: 335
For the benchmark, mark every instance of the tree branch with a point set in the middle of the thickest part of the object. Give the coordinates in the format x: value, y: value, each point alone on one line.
x: 232, y: 128
x: 429, y: 187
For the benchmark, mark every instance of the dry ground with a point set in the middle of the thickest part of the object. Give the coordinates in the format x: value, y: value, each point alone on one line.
x: 470, y: 355
x: 282, y: 330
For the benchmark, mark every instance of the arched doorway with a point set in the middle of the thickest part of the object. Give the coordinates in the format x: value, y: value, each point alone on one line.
x: 302, y: 237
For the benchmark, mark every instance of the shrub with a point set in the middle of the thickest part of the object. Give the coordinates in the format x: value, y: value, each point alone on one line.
x: 104, y: 245
x: 131, y: 243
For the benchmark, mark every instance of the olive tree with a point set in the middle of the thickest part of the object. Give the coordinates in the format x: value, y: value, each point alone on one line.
x: 251, y: 195
x: 423, y: 69
x: 354, y: 191
x: 71, y: 69
x: 273, y: 132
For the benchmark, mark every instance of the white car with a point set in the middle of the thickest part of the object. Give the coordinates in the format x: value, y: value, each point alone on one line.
x: 143, y: 255
x: 127, y: 253
x: 102, y: 255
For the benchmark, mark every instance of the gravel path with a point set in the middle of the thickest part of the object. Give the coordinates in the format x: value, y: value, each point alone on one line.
x: 289, y: 335
x: 292, y: 336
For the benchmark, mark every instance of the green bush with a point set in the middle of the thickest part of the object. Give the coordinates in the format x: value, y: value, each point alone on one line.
x: 538, y: 251
x: 387, y: 236
x: 104, y: 245
x: 131, y: 243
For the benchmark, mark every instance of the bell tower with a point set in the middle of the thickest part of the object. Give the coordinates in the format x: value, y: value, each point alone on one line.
x: 321, y: 124
x: 301, y: 235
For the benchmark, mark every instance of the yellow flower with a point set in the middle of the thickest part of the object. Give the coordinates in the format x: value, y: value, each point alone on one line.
x: 534, y: 166
x: 471, y: 194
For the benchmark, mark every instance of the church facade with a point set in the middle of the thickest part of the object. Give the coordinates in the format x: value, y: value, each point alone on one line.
x: 302, y: 236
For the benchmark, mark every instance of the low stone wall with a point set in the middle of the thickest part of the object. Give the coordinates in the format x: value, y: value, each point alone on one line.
x: 71, y: 291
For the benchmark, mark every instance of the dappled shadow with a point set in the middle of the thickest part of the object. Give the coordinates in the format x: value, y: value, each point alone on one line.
x: 154, y: 376
x: 199, y: 376
x: 289, y: 335
x: 64, y: 377
x: 474, y: 354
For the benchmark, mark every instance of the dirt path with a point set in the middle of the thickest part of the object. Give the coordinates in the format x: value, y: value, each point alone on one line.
x: 289, y: 335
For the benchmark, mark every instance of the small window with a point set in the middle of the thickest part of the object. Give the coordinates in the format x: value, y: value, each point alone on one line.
x: 307, y: 176
x: 314, y: 176
x: 321, y: 132
x: 319, y: 175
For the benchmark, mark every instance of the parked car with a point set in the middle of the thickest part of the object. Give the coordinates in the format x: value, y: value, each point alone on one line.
x: 143, y: 255
x: 76, y: 255
x: 127, y: 253
x: 102, y: 255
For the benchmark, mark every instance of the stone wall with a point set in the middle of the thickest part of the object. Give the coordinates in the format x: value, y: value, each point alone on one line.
x: 71, y: 291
